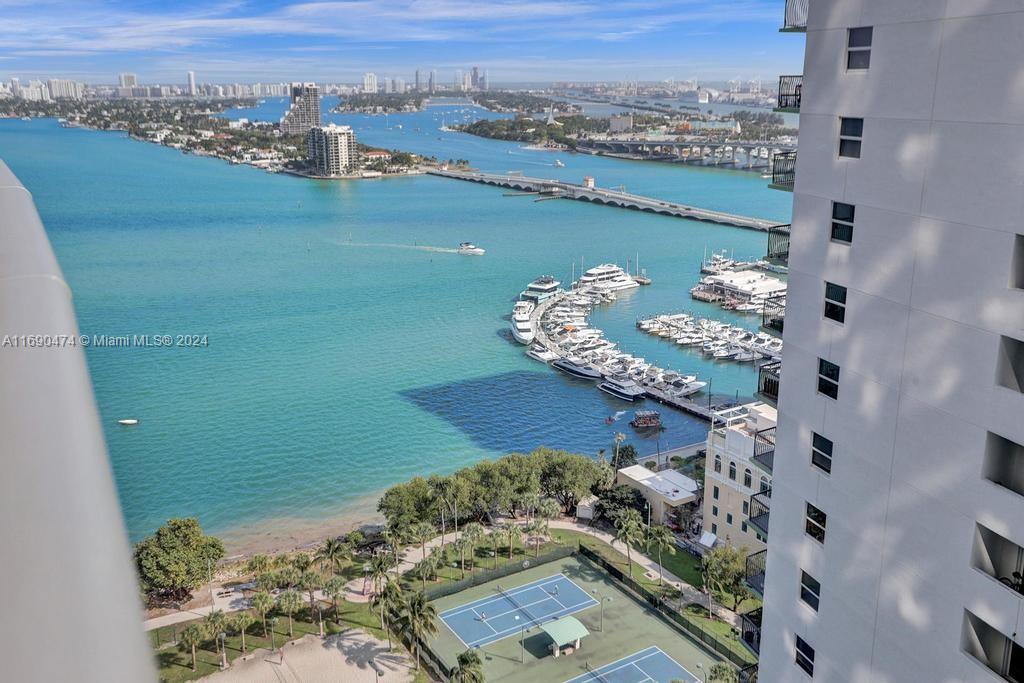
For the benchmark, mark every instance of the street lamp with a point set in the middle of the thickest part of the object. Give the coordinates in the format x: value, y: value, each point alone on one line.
x: 273, y: 625
x: 703, y: 677
x: 223, y: 650
x: 376, y: 671
x: 522, y: 640
x: 320, y: 617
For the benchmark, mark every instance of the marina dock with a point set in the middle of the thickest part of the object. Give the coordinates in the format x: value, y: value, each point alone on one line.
x: 553, y: 189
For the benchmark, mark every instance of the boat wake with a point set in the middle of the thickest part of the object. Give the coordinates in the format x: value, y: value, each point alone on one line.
x: 385, y: 245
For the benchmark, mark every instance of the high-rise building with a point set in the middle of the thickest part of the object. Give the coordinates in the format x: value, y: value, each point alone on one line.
x: 331, y: 149
x: 485, y: 81
x: 369, y: 82
x: 432, y: 82
x: 16, y: 87
x: 474, y: 77
x: 398, y: 85
x: 896, y: 542
x: 417, y: 85
x: 61, y: 88
x: 192, y: 84
x: 127, y: 80
x: 304, y: 111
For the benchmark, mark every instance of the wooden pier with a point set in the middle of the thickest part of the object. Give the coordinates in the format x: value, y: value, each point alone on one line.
x: 608, y: 197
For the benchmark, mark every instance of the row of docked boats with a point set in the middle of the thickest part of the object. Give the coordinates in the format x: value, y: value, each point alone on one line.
x: 714, y: 338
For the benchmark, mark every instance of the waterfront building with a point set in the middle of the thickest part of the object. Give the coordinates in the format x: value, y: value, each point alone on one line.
x: 304, y: 112
x: 127, y: 80
x: 620, y: 123
x: 417, y: 85
x: 61, y: 88
x: 737, y: 467
x: 192, y: 84
x: 432, y: 82
x: 331, y: 149
x: 398, y: 85
x: 896, y: 544
x: 369, y: 83
x: 667, y: 492
x: 474, y: 77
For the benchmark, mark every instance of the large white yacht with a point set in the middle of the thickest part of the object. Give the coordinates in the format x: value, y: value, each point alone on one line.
x: 522, y: 326
x: 540, y: 289
x: 607, y: 277
x: 622, y: 387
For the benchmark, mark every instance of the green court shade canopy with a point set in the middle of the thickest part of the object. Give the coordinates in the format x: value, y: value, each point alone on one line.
x: 565, y: 631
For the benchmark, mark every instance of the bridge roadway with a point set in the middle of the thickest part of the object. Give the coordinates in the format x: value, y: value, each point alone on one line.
x: 597, y: 195
x: 702, y: 152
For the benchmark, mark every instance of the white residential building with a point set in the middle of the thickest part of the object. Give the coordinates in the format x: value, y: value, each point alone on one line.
x: 304, y: 112
x: 127, y: 80
x: 192, y: 91
x: 896, y: 537
x: 369, y: 83
x: 331, y: 149
x: 61, y: 88
x: 665, y: 491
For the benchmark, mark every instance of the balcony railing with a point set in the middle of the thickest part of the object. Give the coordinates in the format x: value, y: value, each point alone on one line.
x: 778, y: 244
x: 768, y: 381
x: 790, y: 88
x: 760, y: 509
x: 773, y: 319
x: 748, y: 674
x: 754, y: 575
x: 784, y: 171
x: 764, y: 449
x: 57, y: 480
x: 796, y: 15
x: 750, y: 629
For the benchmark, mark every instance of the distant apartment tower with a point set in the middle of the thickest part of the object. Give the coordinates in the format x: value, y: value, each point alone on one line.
x: 304, y: 112
x: 369, y: 83
x: 192, y: 84
x: 432, y: 82
x: 474, y: 77
x: 127, y: 80
x: 896, y: 540
x: 417, y: 85
x: 331, y: 149
x: 620, y: 123
x: 61, y: 88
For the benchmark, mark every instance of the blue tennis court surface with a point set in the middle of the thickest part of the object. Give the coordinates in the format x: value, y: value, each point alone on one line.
x: 647, y: 666
x: 490, y: 619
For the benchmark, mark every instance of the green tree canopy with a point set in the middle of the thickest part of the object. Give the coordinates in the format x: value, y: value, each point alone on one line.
x: 176, y: 559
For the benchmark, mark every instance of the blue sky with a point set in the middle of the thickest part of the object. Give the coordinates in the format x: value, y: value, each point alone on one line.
x: 336, y: 41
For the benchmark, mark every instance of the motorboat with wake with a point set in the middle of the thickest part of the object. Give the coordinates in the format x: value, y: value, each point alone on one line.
x: 470, y: 249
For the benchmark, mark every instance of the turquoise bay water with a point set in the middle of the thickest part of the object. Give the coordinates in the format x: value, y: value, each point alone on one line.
x: 339, y: 361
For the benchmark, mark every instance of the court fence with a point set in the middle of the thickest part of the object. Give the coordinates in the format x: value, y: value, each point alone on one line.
x: 732, y: 651
x: 486, y: 575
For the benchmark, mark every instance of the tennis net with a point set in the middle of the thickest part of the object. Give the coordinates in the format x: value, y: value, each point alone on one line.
x: 508, y: 596
x: 596, y: 673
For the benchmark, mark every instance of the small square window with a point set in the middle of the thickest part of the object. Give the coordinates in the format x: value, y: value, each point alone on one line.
x: 858, y: 48
x: 746, y: 507
x: 842, y: 222
x: 851, y: 131
x: 714, y: 493
x: 714, y: 510
x: 814, y: 523
x: 821, y: 453
x: 714, y: 528
x: 804, y: 656
x: 744, y: 527
x: 835, y: 302
x: 810, y: 590
x: 828, y: 379
x: 728, y: 518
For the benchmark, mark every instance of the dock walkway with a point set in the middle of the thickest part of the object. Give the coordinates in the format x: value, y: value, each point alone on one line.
x: 624, y: 200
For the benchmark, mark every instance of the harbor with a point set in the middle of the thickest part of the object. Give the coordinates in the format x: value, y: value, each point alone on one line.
x: 553, y: 323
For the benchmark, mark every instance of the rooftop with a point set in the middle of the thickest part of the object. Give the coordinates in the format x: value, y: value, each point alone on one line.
x: 671, y: 484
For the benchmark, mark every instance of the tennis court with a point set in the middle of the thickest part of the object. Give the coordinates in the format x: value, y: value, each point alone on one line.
x: 493, y: 618
x: 646, y: 666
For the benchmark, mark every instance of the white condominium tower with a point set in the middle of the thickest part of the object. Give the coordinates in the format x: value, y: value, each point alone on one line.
x: 192, y: 83
x: 896, y: 544
x: 331, y: 149
x: 304, y: 112
x: 369, y: 82
x: 127, y: 80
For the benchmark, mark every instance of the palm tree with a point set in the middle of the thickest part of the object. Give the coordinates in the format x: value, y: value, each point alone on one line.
x: 258, y: 564
x: 418, y: 621
x: 215, y: 622
x: 629, y: 530
x: 422, y: 532
x: 191, y: 638
x: 548, y: 509
x: 514, y: 532
x: 394, y: 538
x: 288, y: 577
x: 462, y: 546
x: 289, y: 602
x: 661, y: 539
x: 281, y: 561
x: 389, y: 601
x: 619, y: 438
x: 263, y: 602
x: 311, y: 582
x: 535, y: 528
x: 380, y: 565
x: 334, y: 589
x: 331, y: 554
x: 267, y: 581
x: 472, y: 533
x: 471, y: 669
x: 494, y: 544
x: 302, y: 562
x: 240, y: 622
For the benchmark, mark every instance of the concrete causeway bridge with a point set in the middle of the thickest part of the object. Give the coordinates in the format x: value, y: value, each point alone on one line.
x: 553, y: 189
x: 742, y: 154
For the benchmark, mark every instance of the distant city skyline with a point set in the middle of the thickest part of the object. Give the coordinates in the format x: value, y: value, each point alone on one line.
x: 532, y: 41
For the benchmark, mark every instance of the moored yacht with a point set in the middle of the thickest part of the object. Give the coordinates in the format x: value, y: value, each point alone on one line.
x: 622, y: 387
x: 538, y: 352
x: 522, y: 325
x: 541, y: 289
x: 577, y: 368
x: 607, y: 277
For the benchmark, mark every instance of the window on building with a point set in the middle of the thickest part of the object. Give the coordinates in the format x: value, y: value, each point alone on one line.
x: 842, y: 222
x: 764, y: 483
x: 858, y: 48
x: 1010, y: 364
x: 714, y: 528
x: 828, y: 379
x: 718, y: 464
x: 732, y: 471
x: 1017, y: 263
x: 821, y: 453
x: 747, y: 477
x: 810, y: 590
x: 851, y: 133
x: 714, y: 510
x: 835, y: 302
x: 815, y: 523
x: 714, y: 493
x: 728, y: 518
x: 746, y: 507
x: 1004, y: 463
x: 744, y: 527
x: 992, y: 648
x: 804, y: 656
x: 761, y: 538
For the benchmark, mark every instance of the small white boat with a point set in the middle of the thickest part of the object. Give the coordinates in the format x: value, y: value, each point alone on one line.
x: 128, y: 422
x: 470, y: 249
x: 559, y: 164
